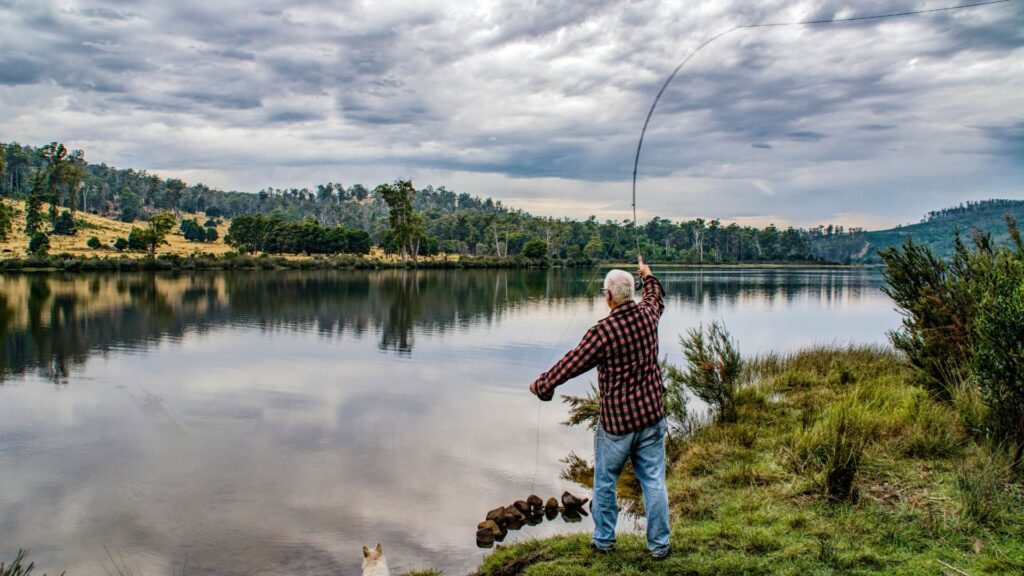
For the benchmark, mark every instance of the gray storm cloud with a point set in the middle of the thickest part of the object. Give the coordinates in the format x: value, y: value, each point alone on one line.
x: 538, y: 103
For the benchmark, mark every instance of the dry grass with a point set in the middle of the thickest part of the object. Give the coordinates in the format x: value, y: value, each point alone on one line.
x: 108, y: 230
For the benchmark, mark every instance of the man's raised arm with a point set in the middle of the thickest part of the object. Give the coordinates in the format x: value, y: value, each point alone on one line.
x: 653, y: 293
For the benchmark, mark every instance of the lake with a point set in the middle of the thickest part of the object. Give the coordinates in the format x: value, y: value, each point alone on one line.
x: 275, y: 422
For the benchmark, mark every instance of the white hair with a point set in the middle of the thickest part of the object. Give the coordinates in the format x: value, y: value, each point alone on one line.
x: 619, y: 284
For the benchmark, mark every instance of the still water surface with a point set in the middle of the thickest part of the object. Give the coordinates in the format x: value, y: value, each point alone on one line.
x: 275, y: 422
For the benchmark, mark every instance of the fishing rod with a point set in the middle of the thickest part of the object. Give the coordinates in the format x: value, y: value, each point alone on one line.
x: 705, y: 43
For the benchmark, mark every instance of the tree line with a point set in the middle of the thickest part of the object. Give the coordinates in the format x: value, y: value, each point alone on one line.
x: 996, y: 206
x: 248, y: 234
x: 396, y: 216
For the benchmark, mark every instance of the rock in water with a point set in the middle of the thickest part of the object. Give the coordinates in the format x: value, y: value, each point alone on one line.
x: 514, y: 516
x: 497, y: 514
x: 536, y: 504
x: 489, y: 525
x: 551, y: 504
x: 522, y: 506
x: 486, y: 532
x: 572, y: 502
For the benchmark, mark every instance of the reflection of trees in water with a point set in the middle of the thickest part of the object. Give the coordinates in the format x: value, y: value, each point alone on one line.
x: 768, y: 286
x: 52, y: 322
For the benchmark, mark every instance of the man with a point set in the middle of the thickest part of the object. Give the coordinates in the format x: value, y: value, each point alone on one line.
x: 624, y: 348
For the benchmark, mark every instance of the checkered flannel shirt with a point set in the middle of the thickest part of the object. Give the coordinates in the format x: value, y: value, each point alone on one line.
x: 624, y: 347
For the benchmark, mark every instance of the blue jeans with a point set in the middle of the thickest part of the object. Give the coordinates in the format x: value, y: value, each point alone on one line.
x: 646, y: 449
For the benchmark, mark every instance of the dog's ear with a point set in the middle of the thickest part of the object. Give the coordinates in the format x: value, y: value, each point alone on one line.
x: 366, y: 552
x: 379, y: 550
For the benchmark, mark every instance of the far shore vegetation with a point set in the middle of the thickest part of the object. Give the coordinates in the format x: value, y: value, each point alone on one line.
x: 54, y: 202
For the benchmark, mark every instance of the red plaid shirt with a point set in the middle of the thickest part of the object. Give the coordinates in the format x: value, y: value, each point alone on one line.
x: 624, y: 347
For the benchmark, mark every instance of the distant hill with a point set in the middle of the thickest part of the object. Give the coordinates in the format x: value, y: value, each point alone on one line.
x: 936, y: 231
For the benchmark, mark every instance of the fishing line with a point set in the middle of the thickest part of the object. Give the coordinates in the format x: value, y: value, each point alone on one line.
x: 705, y: 43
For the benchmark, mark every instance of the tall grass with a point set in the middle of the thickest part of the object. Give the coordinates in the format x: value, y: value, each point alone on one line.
x: 970, y: 406
x: 932, y: 428
x: 980, y: 484
x: 834, y: 446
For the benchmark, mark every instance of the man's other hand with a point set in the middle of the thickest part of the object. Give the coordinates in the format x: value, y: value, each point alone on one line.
x: 643, y: 269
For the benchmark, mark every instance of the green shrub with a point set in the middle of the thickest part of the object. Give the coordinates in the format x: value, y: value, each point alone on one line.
x: 39, y: 244
x: 94, y: 243
x: 64, y: 224
x: 583, y: 409
x: 6, y: 220
x: 938, y: 310
x: 535, y: 249
x: 999, y: 345
x: 137, y: 239
x: 677, y: 414
x: 965, y: 318
x: 714, y: 369
x: 120, y: 244
x: 192, y: 231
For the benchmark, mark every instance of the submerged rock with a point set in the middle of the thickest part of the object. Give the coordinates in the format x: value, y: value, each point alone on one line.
x: 572, y: 515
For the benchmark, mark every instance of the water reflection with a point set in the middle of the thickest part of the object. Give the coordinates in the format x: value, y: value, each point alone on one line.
x: 270, y: 422
x: 51, y: 323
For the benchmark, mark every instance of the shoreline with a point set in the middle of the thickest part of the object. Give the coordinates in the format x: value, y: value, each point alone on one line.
x: 175, y: 262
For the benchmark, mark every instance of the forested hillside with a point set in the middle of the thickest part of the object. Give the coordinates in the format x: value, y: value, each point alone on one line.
x: 439, y: 219
x: 936, y: 230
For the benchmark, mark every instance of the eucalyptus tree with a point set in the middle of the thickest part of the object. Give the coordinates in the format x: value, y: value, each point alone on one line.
x: 405, y: 224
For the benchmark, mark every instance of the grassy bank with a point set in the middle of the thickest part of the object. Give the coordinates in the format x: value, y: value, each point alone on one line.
x: 752, y: 496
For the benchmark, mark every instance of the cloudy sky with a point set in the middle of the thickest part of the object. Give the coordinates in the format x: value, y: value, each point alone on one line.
x: 538, y: 103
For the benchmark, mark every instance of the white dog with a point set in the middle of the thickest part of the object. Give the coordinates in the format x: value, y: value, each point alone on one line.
x: 374, y: 563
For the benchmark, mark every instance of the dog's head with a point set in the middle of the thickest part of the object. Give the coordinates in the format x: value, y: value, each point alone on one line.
x: 373, y: 554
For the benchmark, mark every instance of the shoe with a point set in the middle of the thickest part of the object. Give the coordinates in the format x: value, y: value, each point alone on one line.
x: 599, y: 550
x: 659, y: 558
